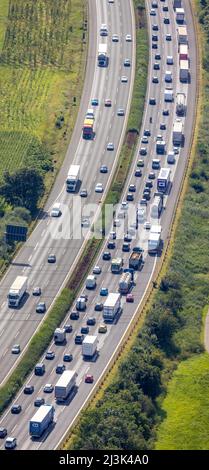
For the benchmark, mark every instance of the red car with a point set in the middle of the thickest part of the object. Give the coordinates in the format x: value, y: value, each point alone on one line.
x: 129, y: 298
x: 89, y: 379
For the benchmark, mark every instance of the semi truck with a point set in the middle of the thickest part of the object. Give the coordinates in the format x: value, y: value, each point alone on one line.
x: 177, y: 4
x: 89, y: 346
x: 160, y: 147
x: 180, y: 15
x: 102, y: 55
x: 116, y: 265
x: 59, y: 336
x: 111, y: 306
x: 177, y: 136
x: 163, y: 180
x: 72, y: 178
x: 135, y: 260
x: 154, y: 239
x: 125, y: 283
x: 156, y: 206
x: 183, y: 52
x: 43, y: 417
x: 184, y: 71
x: 17, y: 291
x: 181, y: 104
x: 88, y: 128
x: 65, y: 385
x: 182, y: 35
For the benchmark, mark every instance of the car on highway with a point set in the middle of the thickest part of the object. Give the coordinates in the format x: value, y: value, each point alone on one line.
x: 99, y: 188
x: 155, y: 27
x: 147, y: 225
x: 97, y: 270
x: 79, y: 339
x: 143, y: 202
x: 124, y: 206
x: 127, y: 63
x: 169, y: 60
x: 120, y: 112
x: 52, y: 258
x: 126, y: 247
x: 155, y: 79
x: 50, y: 355
x: 41, y: 307
x: 144, y: 139
x: 147, y: 132
x: 89, y: 379
x: 165, y: 7
x: 130, y: 298
x: 149, y: 184
x: 29, y: 389
x: 108, y: 103
x: 166, y: 20
x: 83, y: 193
x: 168, y: 37
x: 138, y: 173
x: 85, y: 222
x: 16, y: 409
x: 48, y: 388
x: 176, y: 150
x: 156, y: 66
x: 10, y: 443
x: 110, y: 146
x: 103, y: 30
x: 132, y: 188
x: 68, y: 357
x: 106, y: 256
x: 68, y: 328
x: 111, y: 245
x: 127, y: 238
x: 113, y: 235
x: 102, y: 328
x: 3, y: 432
x: 16, y: 349
x: 124, y: 79
x: 152, y: 12
x: 128, y: 38
x: 116, y: 223
x: 39, y: 401
x: 130, y: 197
x: 103, y: 169
x: 162, y: 126
x: 104, y: 291
x: 154, y: 37
x: 151, y: 175
x: 94, y: 102
x: 165, y: 112
x: 36, y: 291
x: 60, y: 368
x: 143, y: 151
x: 111, y: 1
x: 98, y: 307
x: 152, y: 101
x: 91, y: 321
x: 74, y: 315
x: 157, y: 56
x: 140, y: 163
x: 115, y: 38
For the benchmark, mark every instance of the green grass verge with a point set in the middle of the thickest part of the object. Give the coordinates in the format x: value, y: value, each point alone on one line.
x: 4, y: 6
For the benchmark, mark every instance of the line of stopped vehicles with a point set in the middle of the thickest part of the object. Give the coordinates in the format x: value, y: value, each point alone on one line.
x: 113, y: 304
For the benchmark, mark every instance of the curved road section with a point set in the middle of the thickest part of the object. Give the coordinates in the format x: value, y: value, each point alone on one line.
x: 154, y: 115
x: 56, y: 236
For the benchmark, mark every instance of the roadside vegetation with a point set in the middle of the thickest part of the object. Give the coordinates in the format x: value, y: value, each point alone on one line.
x: 167, y: 358
x: 42, y: 54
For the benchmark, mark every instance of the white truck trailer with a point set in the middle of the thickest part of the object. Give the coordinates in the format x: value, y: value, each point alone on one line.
x: 180, y: 15
x: 72, y: 178
x: 111, y: 306
x: 65, y: 384
x: 59, y: 336
x: 182, y: 35
x: 177, y: 136
x: 125, y: 283
x: 184, y: 71
x: 154, y: 239
x: 17, y: 291
x: 163, y: 180
x: 102, y: 55
x: 43, y: 417
x: 89, y: 346
x: 91, y: 282
x: 156, y: 207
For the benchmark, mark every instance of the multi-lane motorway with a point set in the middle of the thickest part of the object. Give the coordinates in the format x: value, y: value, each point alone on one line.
x: 66, y: 414
x: 18, y: 326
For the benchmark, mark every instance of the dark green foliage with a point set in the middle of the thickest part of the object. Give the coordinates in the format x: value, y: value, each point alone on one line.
x: 23, y: 188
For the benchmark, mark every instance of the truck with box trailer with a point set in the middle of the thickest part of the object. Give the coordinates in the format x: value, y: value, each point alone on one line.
x: 72, y: 178
x: 163, y: 180
x: 111, y: 307
x: 65, y: 385
x: 125, y: 283
x: 168, y: 95
x: 181, y: 104
x: 88, y: 128
x: 183, y: 52
x: 184, y: 71
x: 91, y: 282
x: 177, y: 4
x: 41, y: 420
x: 160, y: 147
x: 89, y: 346
x: 182, y: 35
x: 102, y: 55
x: 154, y: 239
x: 17, y: 291
x: 80, y: 304
x: 156, y: 206
x: 59, y: 336
x: 116, y: 265
x: 135, y: 260
x: 177, y: 136
x: 180, y: 15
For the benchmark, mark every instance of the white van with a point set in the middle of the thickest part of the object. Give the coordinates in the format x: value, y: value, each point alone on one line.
x: 90, y: 113
x: 103, y: 30
x: 169, y: 60
x: 56, y: 210
x: 156, y: 207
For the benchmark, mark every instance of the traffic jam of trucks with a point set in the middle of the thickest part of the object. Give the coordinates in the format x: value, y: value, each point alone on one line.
x: 128, y: 266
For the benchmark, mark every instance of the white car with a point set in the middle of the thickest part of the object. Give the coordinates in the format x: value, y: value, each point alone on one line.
x: 110, y: 146
x: 115, y: 38
x: 16, y: 349
x: 111, y: 1
x: 120, y: 112
x: 10, y: 443
x: 124, y: 79
x: 124, y: 205
x: 97, y: 270
x: 128, y: 38
x: 152, y: 12
x: 99, y: 188
x: 48, y: 388
x: 56, y: 210
x: 147, y: 225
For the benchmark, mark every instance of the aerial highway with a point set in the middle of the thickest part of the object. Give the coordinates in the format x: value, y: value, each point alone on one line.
x: 159, y: 118
x: 102, y: 83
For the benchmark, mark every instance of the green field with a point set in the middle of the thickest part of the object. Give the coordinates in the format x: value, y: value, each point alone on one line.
x: 40, y: 61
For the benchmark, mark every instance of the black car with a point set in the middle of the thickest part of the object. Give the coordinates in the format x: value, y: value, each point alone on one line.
x: 3, y: 433
x: 60, y: 368
x: 106, y: 256
x: 146, y: 195
x: 39, y: 401
x: 41, y: 307
x: 83, y: 193
x: 51, y: 259
x: 67, y: 357
x: 91, y: 321
x: 157, y: 56
x: 50, y: 355
x: 79, y: 339
x: 111, y: 245
x: 147, y: 132
x: 98, y: 307
x: 16, y: 409
x: 130, y: 197
x: 29, y: 389
x: 154, y: 45
x: 166, y: 21
x: 154, y: 37
x: 126, y: 246
x: 74, y: 315
x: 155, y: 27
x: 152, y: 101
x: 127, y: 238
x: 156, y: 66
x: 148, y: 184
x: 85, y: 330
x: 165, y: 112
x: 68, y: 328
x: 37, y: 291
x: 151, y: 175
x: 138, y: 173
